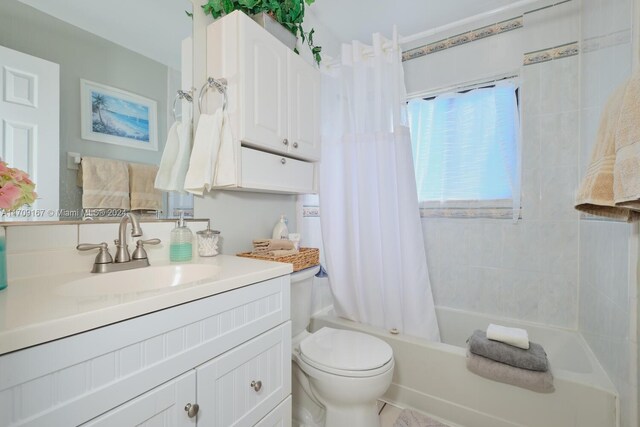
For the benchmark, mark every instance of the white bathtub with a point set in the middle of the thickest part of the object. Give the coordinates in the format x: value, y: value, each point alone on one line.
x: 432, y: 377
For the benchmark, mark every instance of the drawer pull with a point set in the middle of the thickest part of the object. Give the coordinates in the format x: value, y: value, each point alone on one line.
x: 283, y: 161
x: 285, y: 141
x: 256, y: 385
x: 192, y: 410
x: 295, y: 145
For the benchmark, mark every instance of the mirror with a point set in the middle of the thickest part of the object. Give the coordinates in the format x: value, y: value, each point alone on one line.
x: 137, y: 53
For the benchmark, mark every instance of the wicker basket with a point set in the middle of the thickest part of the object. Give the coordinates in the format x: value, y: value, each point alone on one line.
x: 307, y: 257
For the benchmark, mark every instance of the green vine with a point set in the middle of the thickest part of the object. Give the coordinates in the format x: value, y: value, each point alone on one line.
x: 289, y: 13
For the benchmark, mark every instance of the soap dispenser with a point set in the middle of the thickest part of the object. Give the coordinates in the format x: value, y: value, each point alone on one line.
x: 181, y: 247
x: 280, y: 231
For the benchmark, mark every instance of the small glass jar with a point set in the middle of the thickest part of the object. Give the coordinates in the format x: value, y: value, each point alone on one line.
x: 208, y: 242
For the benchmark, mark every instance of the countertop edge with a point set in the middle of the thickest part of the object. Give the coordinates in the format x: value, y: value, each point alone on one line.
x: 20, y: 338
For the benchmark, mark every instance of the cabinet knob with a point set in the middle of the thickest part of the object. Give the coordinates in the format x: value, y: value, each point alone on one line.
x: 295, y: 145
x: 285, y: 141
x: 192, y: 410
x: 256, y: 385
x: 283, y: 160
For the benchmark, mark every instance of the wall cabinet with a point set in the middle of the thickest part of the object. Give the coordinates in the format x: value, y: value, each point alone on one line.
x: 273, y: 98
x: 230, y: 354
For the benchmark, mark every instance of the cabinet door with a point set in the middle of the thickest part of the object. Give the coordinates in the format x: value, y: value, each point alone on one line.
x: 245, y: 384
x: 164, y: 406
x: 279, y: 417
x: 304, y: 109
x: 263, y: 71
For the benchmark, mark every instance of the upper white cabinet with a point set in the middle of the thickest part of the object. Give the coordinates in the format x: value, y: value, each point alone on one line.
x: 273, y: 98
x: 304, y: 108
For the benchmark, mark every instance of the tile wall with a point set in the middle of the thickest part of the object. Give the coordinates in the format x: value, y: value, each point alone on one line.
x: 34, y: 250
x: 528, y: 270
x: 608, y: 291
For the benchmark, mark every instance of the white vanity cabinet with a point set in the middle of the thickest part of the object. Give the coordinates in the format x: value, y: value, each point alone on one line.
x: 229, y: 353
x: 273, y: 104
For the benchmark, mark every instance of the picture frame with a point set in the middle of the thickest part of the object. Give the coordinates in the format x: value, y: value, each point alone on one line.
x: 115, y: 116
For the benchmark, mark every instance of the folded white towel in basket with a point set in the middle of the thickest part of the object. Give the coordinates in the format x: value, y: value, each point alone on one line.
x: 513, y: 336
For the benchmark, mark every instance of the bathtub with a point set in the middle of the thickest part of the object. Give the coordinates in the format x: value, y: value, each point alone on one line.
x: 432, y: 377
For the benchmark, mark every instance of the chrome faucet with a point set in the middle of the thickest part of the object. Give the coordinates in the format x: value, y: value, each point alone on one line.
x: 104, y: 263
x: 122, y: 251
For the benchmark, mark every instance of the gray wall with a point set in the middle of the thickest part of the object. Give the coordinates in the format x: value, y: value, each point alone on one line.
x: 82, y: 55
x: 242, y: 216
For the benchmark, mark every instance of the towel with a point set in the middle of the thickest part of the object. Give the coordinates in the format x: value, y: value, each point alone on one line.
x: 104, y: 182
x: 512, y: 336
x: 541, y: 382
x: 213, y: 159
x: 226, y: 163
x: 534, y: 359
x: 626, y: 171
x: 613, y: 167
x: 175, y: 157
x: 273, y: 245
x: 144, y: 196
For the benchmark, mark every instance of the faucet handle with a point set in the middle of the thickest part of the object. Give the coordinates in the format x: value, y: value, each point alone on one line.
x: 103, y: 257
x: 139, y: 252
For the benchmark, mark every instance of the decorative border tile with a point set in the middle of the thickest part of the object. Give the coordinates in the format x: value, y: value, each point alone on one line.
x: 602, y: 42
x: 464, y: 38
x: 558, y: 52
x: 311, y: 211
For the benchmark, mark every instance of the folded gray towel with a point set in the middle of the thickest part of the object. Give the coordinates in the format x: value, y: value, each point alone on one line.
x: 534, y: 359
x: 540, y: 382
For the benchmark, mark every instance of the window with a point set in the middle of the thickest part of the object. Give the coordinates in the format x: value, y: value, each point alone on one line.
x: 465, y: 150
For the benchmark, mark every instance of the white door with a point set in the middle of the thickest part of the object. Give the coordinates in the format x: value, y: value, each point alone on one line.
x: 163, y: 406
x: 304, y: 109
x: 30, y: 120
x: 263, y: 68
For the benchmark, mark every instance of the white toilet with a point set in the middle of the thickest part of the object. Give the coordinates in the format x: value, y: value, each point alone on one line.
x: 338, y: 375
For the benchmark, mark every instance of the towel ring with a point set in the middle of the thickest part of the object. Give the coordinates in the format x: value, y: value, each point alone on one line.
x: 220, y: 85
x: 188, y: 96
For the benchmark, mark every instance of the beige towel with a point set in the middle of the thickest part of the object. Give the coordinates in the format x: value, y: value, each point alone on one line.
x: 144, y: 196
x: 626, y: 171
x: 104, y: 182
x: 609, y: 170
x: 541, y: 382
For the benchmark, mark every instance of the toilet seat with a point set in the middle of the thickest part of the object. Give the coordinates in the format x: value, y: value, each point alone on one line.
x: 346, y: 353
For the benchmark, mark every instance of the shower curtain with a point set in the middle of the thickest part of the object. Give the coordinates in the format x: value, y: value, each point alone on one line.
x: 370, y: 221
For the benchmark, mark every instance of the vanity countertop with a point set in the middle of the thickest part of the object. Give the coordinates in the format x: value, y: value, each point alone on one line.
x: 37, y: 309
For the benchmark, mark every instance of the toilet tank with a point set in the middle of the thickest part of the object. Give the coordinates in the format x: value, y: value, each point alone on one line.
x: 301, y: 290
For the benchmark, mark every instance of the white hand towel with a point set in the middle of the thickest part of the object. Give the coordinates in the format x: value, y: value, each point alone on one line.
x: 513, y: 336
x: 175, y: 157
x: 225, y: 174
x: 205, y: 146
x: 169, y: 155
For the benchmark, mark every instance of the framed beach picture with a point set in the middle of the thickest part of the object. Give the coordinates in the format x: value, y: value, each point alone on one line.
x: 115, y: 116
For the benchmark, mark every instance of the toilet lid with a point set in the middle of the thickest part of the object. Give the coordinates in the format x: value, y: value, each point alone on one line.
x: 345, y: 350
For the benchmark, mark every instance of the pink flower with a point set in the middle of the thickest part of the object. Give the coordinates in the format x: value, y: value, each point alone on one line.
x: 9, y: 195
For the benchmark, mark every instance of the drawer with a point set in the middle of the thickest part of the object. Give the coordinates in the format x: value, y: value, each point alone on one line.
x: 271, y: 172
x: 279, y: 417
x: 243, y: 385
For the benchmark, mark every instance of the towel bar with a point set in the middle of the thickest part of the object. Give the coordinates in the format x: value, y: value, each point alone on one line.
x: 220, y: 85
x: 186, y: 95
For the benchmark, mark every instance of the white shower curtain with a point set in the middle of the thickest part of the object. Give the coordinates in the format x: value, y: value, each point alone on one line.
x: 370, y: 220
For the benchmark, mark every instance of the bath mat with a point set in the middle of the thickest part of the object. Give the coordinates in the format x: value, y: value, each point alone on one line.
x: 409, y: 418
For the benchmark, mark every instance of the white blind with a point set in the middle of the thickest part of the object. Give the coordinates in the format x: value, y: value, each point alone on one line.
x: 466, y: 151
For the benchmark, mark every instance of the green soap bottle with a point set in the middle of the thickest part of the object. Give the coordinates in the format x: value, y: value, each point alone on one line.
x: 181, y: 247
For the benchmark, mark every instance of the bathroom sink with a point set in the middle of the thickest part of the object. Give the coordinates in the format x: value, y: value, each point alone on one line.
x: 146, y: 279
